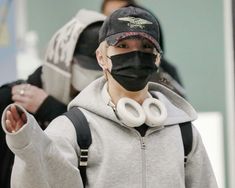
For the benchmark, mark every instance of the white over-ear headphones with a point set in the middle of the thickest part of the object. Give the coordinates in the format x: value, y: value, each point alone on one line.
x: 152, y: 112
x: 155, y: 112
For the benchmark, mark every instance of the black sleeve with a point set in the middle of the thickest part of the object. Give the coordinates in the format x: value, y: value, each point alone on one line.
x: 5, y: 94
x: 35, y: 78
x: 171, y: 70
x: 5, y: 97
x: 51, y: 107
x: 49, y: 110
x: 5, y: 100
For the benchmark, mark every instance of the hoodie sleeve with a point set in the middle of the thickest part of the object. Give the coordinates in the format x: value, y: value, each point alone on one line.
x: 198, y: 171
x: 44, y: 159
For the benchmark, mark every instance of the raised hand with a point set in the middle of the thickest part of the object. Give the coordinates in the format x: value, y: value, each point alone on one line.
x: 28, y: 96
x: 15, y: 119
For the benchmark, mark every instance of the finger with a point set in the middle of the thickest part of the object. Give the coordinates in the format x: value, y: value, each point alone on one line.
x: 9, y: 117
x: 15, y: 113
x: 10, y: 122
x: 24, y: 118
x: 17, y: 88
x: 15, y: 122
x: 21, y: 121
x: 17, y: 97
x: 19, y: 124
x: 20, y: 98
x: 9, y: 127
x: 20, y: 89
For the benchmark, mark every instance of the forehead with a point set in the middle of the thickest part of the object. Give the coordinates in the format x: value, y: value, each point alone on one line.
x: 111, y: 6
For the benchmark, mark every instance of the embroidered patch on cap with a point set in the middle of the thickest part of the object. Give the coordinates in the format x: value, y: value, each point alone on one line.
x: 135, y: 22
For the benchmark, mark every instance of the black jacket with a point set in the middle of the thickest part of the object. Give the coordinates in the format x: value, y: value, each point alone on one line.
x: 168, y: 76
x: 50, y: 109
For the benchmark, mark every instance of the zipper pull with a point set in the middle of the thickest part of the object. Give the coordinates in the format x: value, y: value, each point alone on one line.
x: 143, y: 146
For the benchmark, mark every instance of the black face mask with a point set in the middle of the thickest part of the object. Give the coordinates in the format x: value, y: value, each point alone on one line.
x: 133, y: 70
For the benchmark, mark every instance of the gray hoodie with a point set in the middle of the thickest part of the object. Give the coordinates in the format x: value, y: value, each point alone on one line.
x: 118, y: 156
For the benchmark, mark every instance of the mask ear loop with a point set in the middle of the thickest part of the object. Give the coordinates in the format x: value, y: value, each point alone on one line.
x: 130, y: 112
x: 155, y: 111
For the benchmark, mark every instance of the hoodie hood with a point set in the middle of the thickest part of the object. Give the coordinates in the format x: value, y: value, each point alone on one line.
x: 59, y: 54
x: 178, y: 109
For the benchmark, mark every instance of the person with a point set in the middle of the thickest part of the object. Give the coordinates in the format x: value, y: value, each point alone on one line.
x: 134, y: 123
x: 46, y: 93
x: 109, y: 6
x: 167, y: 74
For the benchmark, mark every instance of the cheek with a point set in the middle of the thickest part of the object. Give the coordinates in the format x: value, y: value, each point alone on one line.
x: 106, y: 64
x: 109, y: 65
x: 158, y: 61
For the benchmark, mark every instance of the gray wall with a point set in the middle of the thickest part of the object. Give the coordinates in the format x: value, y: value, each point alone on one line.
x: 193, y: 35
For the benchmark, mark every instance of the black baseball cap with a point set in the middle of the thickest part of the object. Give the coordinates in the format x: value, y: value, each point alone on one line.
x: 86, y: 47
x: 130, y: 21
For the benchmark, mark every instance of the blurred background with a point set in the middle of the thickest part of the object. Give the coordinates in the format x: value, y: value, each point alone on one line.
x: 198, y: 38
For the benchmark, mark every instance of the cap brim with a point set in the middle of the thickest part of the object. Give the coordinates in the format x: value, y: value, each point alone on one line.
x: 88, y: 62
x: 114, y: 39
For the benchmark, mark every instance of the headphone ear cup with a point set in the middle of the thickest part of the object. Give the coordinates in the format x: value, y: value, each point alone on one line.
x: 130, y: 112
x: 155, y: 112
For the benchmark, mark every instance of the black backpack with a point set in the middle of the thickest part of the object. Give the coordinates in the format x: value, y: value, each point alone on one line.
x: 84, y: 139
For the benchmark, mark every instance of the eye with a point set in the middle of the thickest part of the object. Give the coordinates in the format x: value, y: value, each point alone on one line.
x: 122, y: 45
x: 147, y: 45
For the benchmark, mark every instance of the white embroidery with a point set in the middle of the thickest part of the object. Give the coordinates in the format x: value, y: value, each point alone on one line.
x: 135, y: 22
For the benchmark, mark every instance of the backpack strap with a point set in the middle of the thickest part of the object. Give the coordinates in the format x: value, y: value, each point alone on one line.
x: 187, y: 137
x: 84, y: 139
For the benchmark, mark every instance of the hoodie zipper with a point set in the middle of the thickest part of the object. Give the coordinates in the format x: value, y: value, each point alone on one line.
x: 143, y: 154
